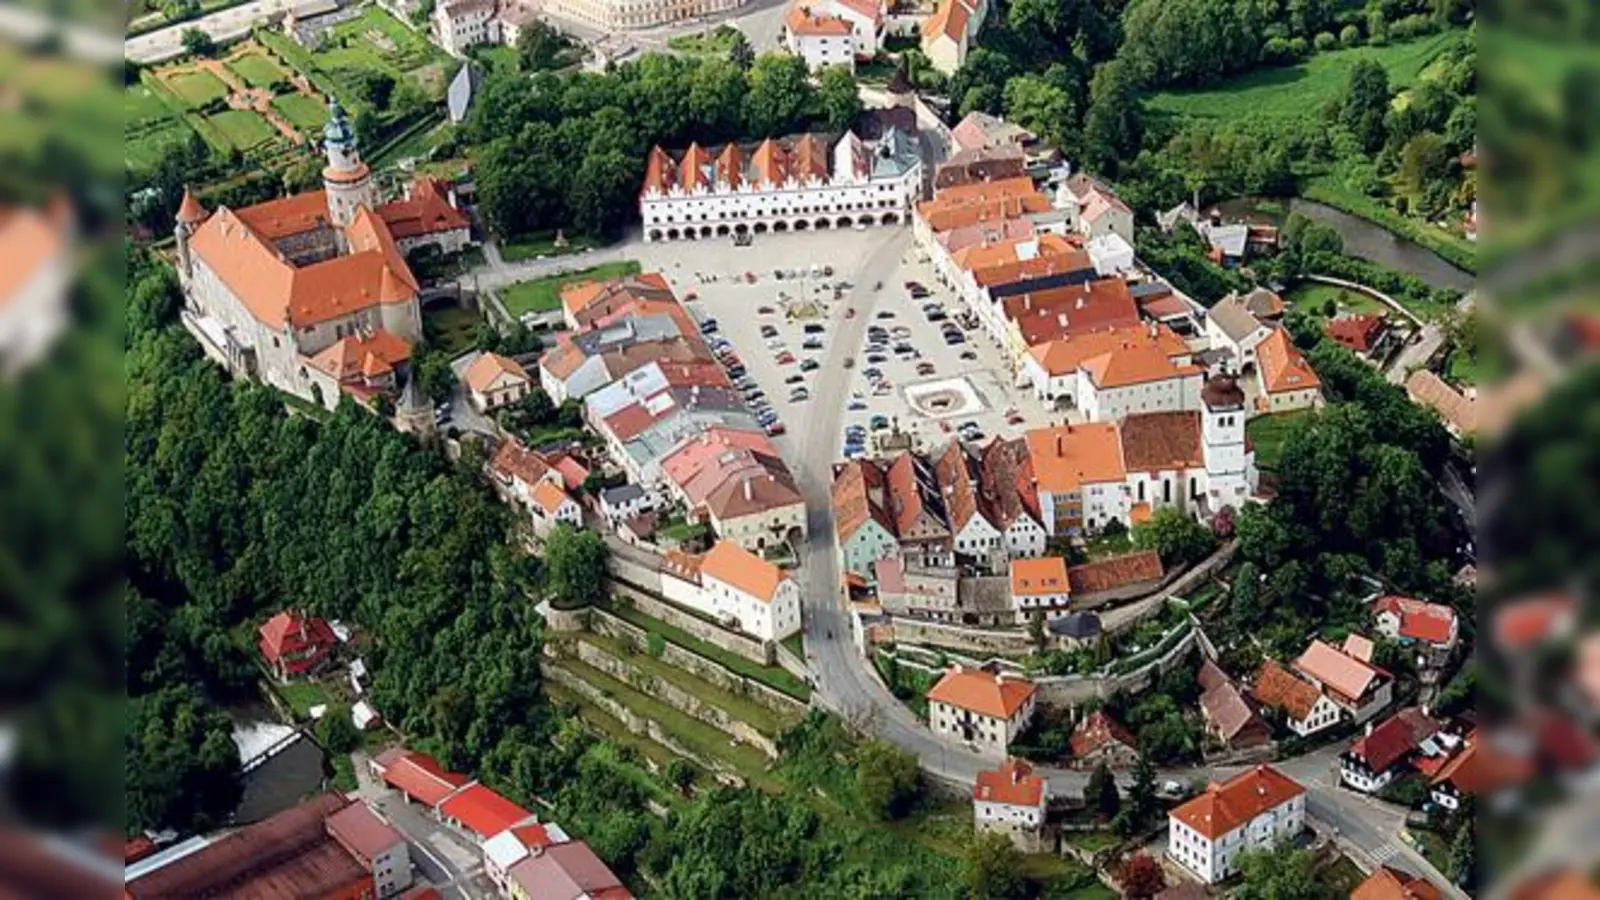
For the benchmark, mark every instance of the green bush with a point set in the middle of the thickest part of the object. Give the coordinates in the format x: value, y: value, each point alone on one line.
x: 1324, y: 41
x: 1350, y: 35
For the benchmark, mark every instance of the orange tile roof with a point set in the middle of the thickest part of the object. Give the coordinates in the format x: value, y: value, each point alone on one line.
x: 867, y: 9
x: 910, y: 490
x: 969, y: 204
x: 859, y: 492
x: 483, y: 811
x: 658, y: 169
x: 1455, y: 408
x: 488, y: 368
x: 1054, y: 313
x: 1345, y: 675
x: 1522, y: 623
x: 1231, y: 805
x: 1013, y: 784
x: 1067, y: 457
x: 285, y: 216
x: 982, y: 693
x: 1419, y: 620
x: 425, y: 211
x: 1039, y: 577
x: 809, y: 154
x: 1007, y: 482
x: 770, y: 162
x: 189, y: 210
x: 1279, y: 688
x: 949, y: 19
x: 1033, y: 269
x: 692, y: 170
x: 800, y: 20
x: 591, y: 299
x: 976, y: 257
x: 955, y: 473
x: 514, y: 460
x: 730, y: 166
x: 1392, y: 884
x: 374, y: 354
x: 30, y: 240
x: 734, y: 565
x: 1282, y: 367
x: 1164, y: 441
x: 548, y: 497
x: 1118, y: 357
x: 1116, y: 571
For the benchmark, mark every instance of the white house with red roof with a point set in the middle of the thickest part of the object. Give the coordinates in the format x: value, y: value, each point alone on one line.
x: 1359, y: 688
x: 309, y: 293
x: 552, y: 506
x: 1430, y: 628
x: 375, y: 843
x: 1379, y: 755
x: 1011, y: 800
x: 295, y: 644
x: 757, y: 595
x: 1255, y: 810
x: 511, y: 846
x: 35, y: 277
x: 517, y: 471
x: 833, y: 32
x: 1040, y: 586
x: 494, y: 381
x: 980, y: 709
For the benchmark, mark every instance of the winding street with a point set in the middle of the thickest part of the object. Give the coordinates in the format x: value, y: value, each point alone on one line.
x: 845, y: 684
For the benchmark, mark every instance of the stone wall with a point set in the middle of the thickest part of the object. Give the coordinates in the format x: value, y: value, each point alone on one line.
x: 1074, y: 690
x: 656, y: 608
x: 634, y: 572
x: 635, y: 723
x: 957, y: 637
x: 602, y: 622
x: 675, y: 697
x: 790, y: 663
x: 566, y: 619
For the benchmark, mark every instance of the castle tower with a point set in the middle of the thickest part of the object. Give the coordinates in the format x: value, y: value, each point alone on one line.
x: 1228, y: 465
x: 190, y: 216
x: 346, y: 179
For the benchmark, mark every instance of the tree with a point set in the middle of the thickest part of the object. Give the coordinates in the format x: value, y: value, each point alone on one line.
x: 1141, y: 877
x: 993, y: 868
x: 778, y: 95
x: 1036, y: 632
x: 374, y: 86
x: 1244, y: 608
x: 839, y: 98
x: 1424, y: 171
x: 1177, y: 536
x: 1464, y: 856
x: 182, y: 768
x: 336, y: 732
x: 198, y: 43
x: 680, y: 774
x: 1114, y: 125
x: 1366, y: 103
x: 575, y: 565
x: 1100, y: 794
x: 1283, y: 873
x: 542, y: 46
x: 887, y: 779
x: 1141, y: 806
x: 435, y: 376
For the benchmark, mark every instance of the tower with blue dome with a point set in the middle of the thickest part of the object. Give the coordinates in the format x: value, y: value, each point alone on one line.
x: 346, y: 179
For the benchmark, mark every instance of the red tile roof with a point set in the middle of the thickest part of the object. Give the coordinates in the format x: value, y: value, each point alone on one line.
x: 1223, y: 808
x: 1419, y: 620
x: 1013, y: 784
x: 1344, y: 675
x: 1522, y: 623
x: 1164, y: 441
x: 1098, y: 730
x: 1386, y: 745
x: 421, y: 778
x: 1358, y: 332
x: 1279, y: 688
x: 1044, y: 576
x: 982, y: 693
x: 482, y: 811
x: 358, y: 829
x: 1115, y: 572
x: 1392, y: 884
x: 426, y: 211
x: 1283, y: 369
x: 290, y: 633
x: 514, y: 460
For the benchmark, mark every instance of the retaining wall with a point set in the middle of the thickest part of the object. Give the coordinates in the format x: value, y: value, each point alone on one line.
x: 634, y: 572
x: 609, y: 624
x: 656, y: 608
x: 790, y: 663
x: 566, y: 619
x: 635, y: 723
x: 1074, y: 690
x: 972, y: 640
x: 675, y: 697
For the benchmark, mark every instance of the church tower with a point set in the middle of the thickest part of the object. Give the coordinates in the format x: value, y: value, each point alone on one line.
x: 1230, y: 472
x: 346, y: 179
x: 190, y: 216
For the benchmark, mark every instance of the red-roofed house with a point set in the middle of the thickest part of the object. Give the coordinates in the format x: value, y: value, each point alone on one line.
x: 1429, y: 627
x: 1360, y: 689
x: 739, y: 586
x: 1254, y: 810
x: 1376, y: 758
x: 1360, y: 333
x: 1393, y: 884
x: 375, y: 844
x: 1012, y: 801
x: 295, y: 644
x: 569, y: 871
x: 418, y: 777
x: 1102, y: 739
x: 481, y: 811
x: 977, y: 708
x: 1040, y: 585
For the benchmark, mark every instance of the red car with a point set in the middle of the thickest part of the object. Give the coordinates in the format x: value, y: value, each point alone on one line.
x: 776, y: 428
x: 785, y: 358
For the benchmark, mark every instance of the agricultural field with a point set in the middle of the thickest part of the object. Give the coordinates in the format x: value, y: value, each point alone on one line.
x: 1300, y: 90
x: 256, y: 70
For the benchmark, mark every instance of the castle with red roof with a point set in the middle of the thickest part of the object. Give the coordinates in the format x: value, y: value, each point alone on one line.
x: 311, y: 293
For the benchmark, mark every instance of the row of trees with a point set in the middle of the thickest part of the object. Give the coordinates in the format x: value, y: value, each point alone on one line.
x: 566, y: 151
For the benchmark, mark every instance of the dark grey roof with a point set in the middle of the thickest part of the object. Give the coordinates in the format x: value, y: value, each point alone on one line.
x: 463, y: 88
x: 1149, y: 289
x: 1076, y: 625
x: 617, y: 496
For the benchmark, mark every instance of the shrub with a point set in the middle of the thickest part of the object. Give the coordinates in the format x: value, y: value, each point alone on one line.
x: 1350, y: 36
x: 1298, y: 47
x: 1276, y: 49
x: 1324, y: 41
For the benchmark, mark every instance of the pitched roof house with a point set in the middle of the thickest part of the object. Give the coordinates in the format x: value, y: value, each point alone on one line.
x: 1360, y: 688
x: 295, y: 643
x: 1306, y: 710
x: 1098, y: 738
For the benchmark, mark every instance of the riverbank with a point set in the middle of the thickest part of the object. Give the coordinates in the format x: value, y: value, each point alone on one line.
x: 1452, y: 248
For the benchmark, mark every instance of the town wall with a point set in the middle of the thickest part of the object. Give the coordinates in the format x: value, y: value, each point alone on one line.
x: 656, y: 608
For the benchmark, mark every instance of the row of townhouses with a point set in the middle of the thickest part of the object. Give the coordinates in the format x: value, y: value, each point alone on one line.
x: 797, y: 183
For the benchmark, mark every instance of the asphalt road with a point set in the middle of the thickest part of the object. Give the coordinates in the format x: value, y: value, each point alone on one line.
x: 221, y: 25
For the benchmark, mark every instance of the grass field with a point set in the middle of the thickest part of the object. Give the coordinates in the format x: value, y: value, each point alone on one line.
x: 141, y: 105
x: 197, y: 88
x: 544, y: 294
x: 256, y: 70
x: 409, y: 55
x: 1313, y: 297
x: 1270, y: 433
x: 771, y: 676
x: 244, y: 128
x: 543, y: 244
x: 719, y: 42
x: 145, y: 152
x: 1300, y: 90
x: 304, y: 113
x: 451, y: 328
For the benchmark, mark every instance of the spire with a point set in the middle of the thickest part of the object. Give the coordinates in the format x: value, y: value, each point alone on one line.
x: 190, y: 212
x: 338, y: 133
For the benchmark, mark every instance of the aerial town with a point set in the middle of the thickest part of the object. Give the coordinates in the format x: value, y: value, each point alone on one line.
x: 938, y: 448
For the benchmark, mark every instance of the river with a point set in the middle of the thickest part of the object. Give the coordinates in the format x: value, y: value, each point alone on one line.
x: 1361, y: 238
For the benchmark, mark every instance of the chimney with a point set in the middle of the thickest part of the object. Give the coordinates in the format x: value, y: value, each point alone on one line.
x: 747, y: 490
x: 1059, y: 448
x: 1369, y: 727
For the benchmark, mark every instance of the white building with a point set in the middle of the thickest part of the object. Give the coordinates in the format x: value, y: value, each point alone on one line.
x: 375, y: 844
x: 820, y: 38
x: 1380, y: 755
x: 1305, y: 709
x: 981, y: 710
x: 796, y: 184
x: 515, y: 844
x: 614, y: 15
x: 1096, y: 212
x: 1113, y: 373
x: 494, y: 381
x: 950, y: 31
x: 1255, y: 810
x: 1039, y: 585
x: 1232, y: 327
x: 459, y: 24
x: 1287, y: 382
x: 733, y: 585
x: 34, y: 282
x: 1356, y: 687
x: 552, y: 506
x: 1011, y: 800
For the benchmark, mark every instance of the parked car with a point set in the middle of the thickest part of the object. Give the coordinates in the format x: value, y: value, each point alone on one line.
x: 784, y: 359
x: 810, y: 365
x: 873, y: 372
x: 769, y: 331
x: 795, y: 379
x: 709, y: 326
x: 775, y: 429
x: 886, y: 314
x: 925, y: 368
x: 856, y: 405
x: 937, y: 316
x: 877, y: 358
x: 799, y: 395
x: 765, y: 310
x: 811, y: 343
x: 879, y: 422
x: 954, y: 338
x: 814, y: 328
x: 969, y: 355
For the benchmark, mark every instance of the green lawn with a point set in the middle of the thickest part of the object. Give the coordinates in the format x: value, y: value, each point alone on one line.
x: 1313, y: 297
x: 1300, y: 90
x: 304, y: 113
x: 256, y: 69
x: 1269, y: 433
x: 146, y: 150
x: 796, y: 644
x: 765, y: 720
x: 771, y: 676
x: 719, y: 42
x: 544, y: 244
x: 451, y: 328
x: 197, y: 88
x: 140, y: 105
x: 244, y: 128
x: 1433, y: 847
x: 301, y: 696
x: 544, y: 294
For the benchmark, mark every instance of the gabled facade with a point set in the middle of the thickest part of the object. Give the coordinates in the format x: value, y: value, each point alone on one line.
x: 1255, y: 810
x: 981, y: 710
x: 1011, y: 800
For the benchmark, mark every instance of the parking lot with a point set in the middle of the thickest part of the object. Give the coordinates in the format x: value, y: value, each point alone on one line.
x: 782, y: 329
